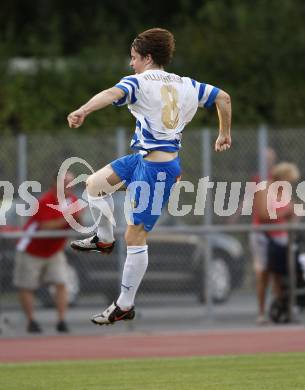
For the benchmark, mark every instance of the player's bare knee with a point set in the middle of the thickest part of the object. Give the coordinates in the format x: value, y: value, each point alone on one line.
x: 135, y: 235
x: 60, y: 286
x: 129, y: 238
x: 93, y: 187
x: 89, y: 183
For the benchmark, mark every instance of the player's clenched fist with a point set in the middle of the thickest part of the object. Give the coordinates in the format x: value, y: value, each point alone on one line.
x: 222, y: 143
x: 76, y: 118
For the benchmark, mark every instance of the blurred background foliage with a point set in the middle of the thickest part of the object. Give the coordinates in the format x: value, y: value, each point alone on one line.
x: 56, y: 54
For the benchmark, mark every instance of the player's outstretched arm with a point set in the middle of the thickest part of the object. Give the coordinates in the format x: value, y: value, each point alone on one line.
x: 223, y: 104
x: 99, y: 101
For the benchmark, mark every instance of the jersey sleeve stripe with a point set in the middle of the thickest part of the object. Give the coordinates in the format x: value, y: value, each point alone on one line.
x: 201, y: 91
x: 129, y: 89
x: 132, y: 79
x: 212, y: 97
x: 123, y: 99
x: 133, y: 98
x: 123, y: 88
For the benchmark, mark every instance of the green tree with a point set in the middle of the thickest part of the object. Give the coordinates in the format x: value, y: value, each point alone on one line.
x: 254, y: 50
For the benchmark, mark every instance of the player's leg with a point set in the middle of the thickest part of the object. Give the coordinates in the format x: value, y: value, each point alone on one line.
x: 133, y: 273
x: 277, y: 285
x: 135, y: 265
x: 26, y: 298
x: 57, y: 274
x: 61, y: 302
x: 100, y: 187
x: 258, y: 245
x: 262, y: 280
x: 160, y: 176
x: 27, y: 272
x: 142, y: 220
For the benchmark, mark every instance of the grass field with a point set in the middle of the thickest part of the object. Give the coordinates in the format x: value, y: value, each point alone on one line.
x: 272, y: 371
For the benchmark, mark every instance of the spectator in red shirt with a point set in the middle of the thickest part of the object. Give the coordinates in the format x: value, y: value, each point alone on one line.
x: 43, y: 259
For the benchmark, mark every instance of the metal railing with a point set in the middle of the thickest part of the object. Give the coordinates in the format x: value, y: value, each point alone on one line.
x: 206, y: 232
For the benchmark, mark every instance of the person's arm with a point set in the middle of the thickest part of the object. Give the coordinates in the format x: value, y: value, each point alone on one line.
x: 260, y: 204
x: 47, y: 219
x: 53, y: 224
x: 223, y: 104
x: 97, y: 102
x: 286, y: 212
x: 58, y: 223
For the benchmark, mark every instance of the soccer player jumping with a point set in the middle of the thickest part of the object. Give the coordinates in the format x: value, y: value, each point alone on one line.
x: 163, y: 104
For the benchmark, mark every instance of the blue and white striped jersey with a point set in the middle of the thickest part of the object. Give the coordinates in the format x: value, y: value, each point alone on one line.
x: 163, y: 104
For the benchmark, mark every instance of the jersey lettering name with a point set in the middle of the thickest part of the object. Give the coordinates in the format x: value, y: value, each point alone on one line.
x: 164, y: 78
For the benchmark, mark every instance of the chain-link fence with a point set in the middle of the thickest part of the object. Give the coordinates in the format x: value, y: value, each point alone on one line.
x: 177, y: 258
x: 176, y: 267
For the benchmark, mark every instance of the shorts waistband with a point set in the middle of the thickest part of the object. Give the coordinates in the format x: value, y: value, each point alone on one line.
x: 161, y: 164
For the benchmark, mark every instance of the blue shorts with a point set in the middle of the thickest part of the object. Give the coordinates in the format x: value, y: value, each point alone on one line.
x: 148, y: 185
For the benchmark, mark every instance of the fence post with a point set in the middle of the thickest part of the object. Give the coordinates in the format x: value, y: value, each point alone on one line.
x: 292, y: 275
x: 207, y: 220
x: 21, y: 164
x: 121, y: 150
x: 262, y: 144
x: 5, y: 326
x: 121, y: 143
x: 22, y: 158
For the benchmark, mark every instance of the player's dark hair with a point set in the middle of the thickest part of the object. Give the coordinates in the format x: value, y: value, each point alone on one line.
x: 157, y: 42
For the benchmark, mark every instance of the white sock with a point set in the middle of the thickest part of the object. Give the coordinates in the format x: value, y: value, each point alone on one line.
x: 134, y: 270
x: 101, y: 208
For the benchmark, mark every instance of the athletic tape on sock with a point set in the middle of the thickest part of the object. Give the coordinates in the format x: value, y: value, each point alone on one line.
x: 136, y: 249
